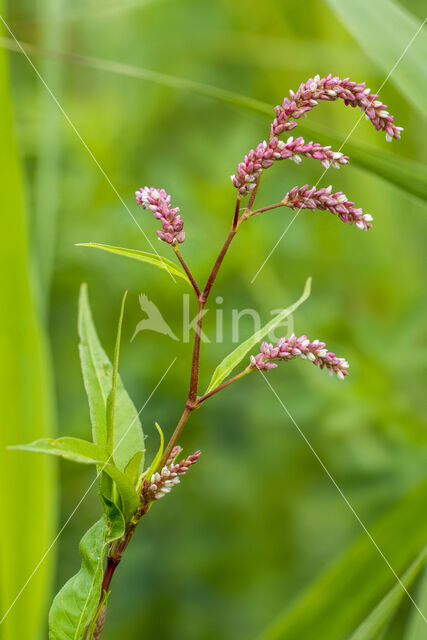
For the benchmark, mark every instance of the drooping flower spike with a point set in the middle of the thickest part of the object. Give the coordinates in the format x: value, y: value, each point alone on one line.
x: 323, y: 199
x: 266, y: 154
x: 159, y: 202
x: 332, y: 88
x: 293, y: 347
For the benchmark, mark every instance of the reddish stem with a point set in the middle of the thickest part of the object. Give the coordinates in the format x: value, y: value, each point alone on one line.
x: 187, y: 270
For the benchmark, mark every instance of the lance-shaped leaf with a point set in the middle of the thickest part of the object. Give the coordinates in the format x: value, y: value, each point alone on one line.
x: 383, y: 612
x: 76, y: 603
x: 97, y: 375
x: 232, y: 360
x: 111, y: 400
x: 151, y: 258
x: 86, y: 452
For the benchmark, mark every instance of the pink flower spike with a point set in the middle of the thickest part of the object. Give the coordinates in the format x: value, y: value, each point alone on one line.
x: 265, y: 155
x: 324, y: 199
x: 332, y: 88
x: 158, y: 201
x: 293, y: 347
x: 162, y: 482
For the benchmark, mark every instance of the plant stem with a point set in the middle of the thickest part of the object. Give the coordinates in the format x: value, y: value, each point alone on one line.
x: 271, y: 206
x: 117, y: 550
x: 178, y: 430
x: 187, y: 270
x: 224, y: 385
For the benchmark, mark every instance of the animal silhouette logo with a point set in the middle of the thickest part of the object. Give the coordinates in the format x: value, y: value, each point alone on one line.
x: 154, y: 320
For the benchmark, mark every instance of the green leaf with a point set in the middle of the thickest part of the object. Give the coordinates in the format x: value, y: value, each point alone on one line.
x: 151, y: 258
x: 72, y: 449
x: 385, y: 29
x: 86, y: 452
x: 328, y: 605
x: 134, y: 467
x: 383, y: 612
x: 236, y: 356
x: 26, y: 398
x: 155, y: 463
x: 97, y: 375
x: 76, y: 603
x: 111, y: 401
x: 416, y: 629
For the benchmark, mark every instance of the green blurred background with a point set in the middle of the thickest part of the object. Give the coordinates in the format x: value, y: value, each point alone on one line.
x: 257, y: 532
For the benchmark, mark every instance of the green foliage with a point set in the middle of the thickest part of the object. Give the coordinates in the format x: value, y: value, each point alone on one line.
x: 142, y: 256
x: 416, y: 627
x: 86, y: 452
x: 377, y: 620
x: 155, y: 463
x: 385, y: 29
x: 111, y: 400
x: 97, y: 375
x: 231, y: 361
x: 330, y: 607
x: 399, y: 171
x: 76, y: 603
x: 26, y: 398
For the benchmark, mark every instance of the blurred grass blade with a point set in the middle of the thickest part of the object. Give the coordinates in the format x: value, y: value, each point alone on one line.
x: 236, y: 356
x: 97, y: 375
x: 406, y: 174
x: 416, y: 629
x: 48, y: 158
x: 384, y: 29
x: 27, y: 410
x: 150, y: 258
x: 76, y: 603
x: 84, y: 452
x: 329, y: 605
x: 377, y: 620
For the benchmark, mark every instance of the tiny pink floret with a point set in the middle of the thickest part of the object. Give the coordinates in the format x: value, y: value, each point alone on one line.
x: 293, y: 347
x: 158, y: 201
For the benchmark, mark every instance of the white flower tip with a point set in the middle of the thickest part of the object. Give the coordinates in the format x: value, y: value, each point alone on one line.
x: 388, y: 137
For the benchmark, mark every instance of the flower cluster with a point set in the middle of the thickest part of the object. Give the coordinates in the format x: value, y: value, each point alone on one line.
x: 337, y: 203
x: 162, y: 482
x: 293, y: 347
x: 159, y: 202
x: 331, y: 88
x: 266, y: 154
